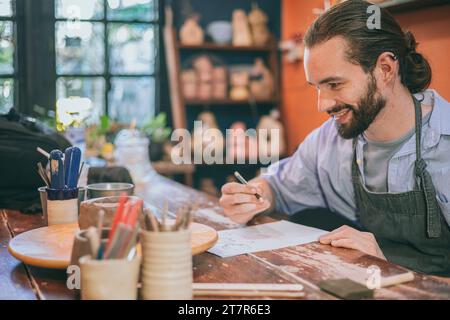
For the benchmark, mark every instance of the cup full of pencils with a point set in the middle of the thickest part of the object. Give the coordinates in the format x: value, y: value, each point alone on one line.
x: 166, y: 271
x: 62, y: 185
x: 111, y: 270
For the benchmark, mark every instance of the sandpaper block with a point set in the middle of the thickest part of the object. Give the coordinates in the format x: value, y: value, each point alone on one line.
x: 346, y: 289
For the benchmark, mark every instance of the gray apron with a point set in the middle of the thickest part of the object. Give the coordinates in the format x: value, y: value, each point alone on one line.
x: 408, y: 226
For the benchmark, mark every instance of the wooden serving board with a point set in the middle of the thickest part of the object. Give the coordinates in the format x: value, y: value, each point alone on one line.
x: 51, y: 247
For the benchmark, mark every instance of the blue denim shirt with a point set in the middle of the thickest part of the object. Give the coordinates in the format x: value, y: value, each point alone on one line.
x: 318, y: 174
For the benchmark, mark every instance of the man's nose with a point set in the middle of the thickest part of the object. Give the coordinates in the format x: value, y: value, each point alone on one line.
x: 325, y: 103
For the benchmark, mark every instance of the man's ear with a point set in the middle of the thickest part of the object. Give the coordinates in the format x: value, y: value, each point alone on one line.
x: 387, y: 67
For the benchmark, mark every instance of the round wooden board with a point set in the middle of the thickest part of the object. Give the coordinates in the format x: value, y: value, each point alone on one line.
x: 51, y: 247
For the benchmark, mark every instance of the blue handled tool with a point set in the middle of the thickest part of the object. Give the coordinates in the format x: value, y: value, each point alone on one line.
x: 72, y: 163
x: 67, y: 161
x: 56, y: 170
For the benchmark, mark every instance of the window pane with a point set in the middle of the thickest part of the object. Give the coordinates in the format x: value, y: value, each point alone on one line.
x: 144, y: 10
x: 6, y: 95
x: 84, y: 97
x: 5, y: 8
x: 6, y: 47
x: 132, y: 98
x: 132, y: 48
x: 79, y: 9
x: 79, y: 48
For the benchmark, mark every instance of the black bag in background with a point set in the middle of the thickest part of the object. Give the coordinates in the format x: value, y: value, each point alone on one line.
x: 19, y: 180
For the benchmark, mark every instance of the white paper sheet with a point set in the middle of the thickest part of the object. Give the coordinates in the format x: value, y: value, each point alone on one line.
x: 263, y: 237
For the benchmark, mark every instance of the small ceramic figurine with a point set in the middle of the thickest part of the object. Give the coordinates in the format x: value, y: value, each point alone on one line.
x: 275, y: 135
x: 189, y: 83
x: 204, y: 138
x: 237, y: 145
x: 203, y: 66
x: 191, y: 33
x: 242, y: 145
x: 261, y: 81
x: 241, y: 29
x: 220, y: 84
x: 258, y: 22
x: 239, y: 82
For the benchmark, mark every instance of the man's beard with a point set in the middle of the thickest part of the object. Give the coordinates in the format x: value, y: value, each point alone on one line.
x: 364, y: 114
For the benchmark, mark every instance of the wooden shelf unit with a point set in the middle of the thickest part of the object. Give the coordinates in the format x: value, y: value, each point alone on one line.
x: 182, y: 107
x: 174, y: 49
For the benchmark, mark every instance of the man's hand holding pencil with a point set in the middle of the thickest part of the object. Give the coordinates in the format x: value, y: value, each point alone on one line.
x: 242, y: 201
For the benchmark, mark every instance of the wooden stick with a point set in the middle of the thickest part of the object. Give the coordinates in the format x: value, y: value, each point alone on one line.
x: 42, y: 173
x: 181, y: 213
x: 165, y: 211
x: 189, y: 217
x: 43, y: 177
x: 248, y: 286
x: 397, y: 279
x: 148, y: 223
x: 153, y: 221
x: 280, y: 290
x: 94, y: 241
x: 101, y: 215
x: 79, y: 173
x: 241, y: 293
x: 43, y: 152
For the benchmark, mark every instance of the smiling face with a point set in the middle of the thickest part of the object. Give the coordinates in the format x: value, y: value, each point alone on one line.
x: 345, y: 91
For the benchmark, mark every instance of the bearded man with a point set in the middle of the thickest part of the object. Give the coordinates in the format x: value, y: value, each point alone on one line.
x: 383, y: 159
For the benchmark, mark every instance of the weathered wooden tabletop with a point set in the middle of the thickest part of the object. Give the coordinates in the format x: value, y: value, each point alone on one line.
x: 304, y: 264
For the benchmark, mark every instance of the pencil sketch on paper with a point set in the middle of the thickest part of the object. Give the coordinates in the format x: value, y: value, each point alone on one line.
x: 263, y: 237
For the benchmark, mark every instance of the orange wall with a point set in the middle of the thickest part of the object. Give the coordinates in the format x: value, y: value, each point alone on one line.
x: 431, y: 28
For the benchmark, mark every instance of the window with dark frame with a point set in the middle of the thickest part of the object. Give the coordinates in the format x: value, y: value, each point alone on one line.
x: 106, y: 59
x: 7, y: 56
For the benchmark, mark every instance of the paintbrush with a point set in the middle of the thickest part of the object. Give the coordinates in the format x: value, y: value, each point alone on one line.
x: 179, y: 220
x: 348, y: 289
x: 124, y: 243
x: 113, y: 249
x: 151, y: 221
x: 186, y: 220
x: 147, y: 222
x: 118, y: 216
x: 189, y: 217
x: 43, y: 152
x: 132, y: 230
x: 130, y: 244
x: 101, y: 215
x: 165, y: 212
x: 94, y: 241
x: 79, y: 173
x: 43, y: 175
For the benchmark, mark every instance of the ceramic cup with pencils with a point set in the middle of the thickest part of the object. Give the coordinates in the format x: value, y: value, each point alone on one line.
x: 111, y: 270
x: 166, y: 272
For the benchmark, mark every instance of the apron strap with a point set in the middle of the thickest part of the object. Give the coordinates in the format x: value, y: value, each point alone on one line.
x: 426, y: 183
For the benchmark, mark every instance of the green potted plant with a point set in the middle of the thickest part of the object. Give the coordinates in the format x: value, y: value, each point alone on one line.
x: 158, y: 133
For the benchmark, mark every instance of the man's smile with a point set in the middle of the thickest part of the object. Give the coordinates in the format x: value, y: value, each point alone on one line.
x: 341, y: 116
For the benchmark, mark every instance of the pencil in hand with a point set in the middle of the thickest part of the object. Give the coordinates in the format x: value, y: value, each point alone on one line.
x: 243, y: 181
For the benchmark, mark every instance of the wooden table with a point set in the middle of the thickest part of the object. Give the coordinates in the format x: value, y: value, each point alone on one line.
x: 304, y: 264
